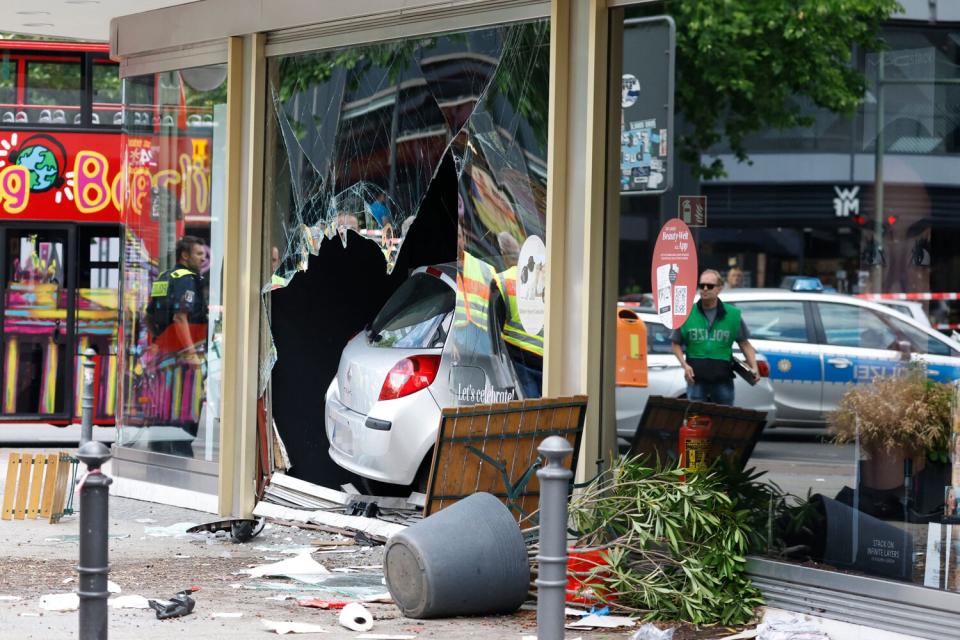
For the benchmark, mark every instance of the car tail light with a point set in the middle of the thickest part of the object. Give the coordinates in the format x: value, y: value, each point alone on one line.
x: 410, y: 375
x: 763, y: 368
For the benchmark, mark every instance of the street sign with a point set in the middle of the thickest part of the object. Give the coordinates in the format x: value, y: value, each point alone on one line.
x: 673, y: 273
x: 692, y: 210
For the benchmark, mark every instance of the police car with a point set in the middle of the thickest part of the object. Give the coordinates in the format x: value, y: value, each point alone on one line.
x: 818, y: 344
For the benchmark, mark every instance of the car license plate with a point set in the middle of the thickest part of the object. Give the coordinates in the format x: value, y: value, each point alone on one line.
x: 342, y: 435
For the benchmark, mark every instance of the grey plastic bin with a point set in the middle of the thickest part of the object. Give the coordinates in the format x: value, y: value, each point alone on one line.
x: 468, y: 559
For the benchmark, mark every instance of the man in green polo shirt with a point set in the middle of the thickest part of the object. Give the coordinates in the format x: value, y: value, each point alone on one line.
x: 704, y: 344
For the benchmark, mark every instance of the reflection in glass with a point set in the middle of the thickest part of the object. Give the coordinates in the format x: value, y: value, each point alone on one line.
x: 172, y: 261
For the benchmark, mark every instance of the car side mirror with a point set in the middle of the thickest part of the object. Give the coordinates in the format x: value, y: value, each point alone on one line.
x: 905, y: 349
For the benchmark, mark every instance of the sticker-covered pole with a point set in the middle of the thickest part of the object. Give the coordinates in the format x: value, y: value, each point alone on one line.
x: 552, y: 559
x: 86, y: 401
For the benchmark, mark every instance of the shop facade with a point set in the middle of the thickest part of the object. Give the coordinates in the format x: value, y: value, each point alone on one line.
x: 340, y: 148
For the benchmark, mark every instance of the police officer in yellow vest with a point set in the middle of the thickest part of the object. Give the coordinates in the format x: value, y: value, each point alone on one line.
x: 525, y: 349
x: 177, y: 310
x: 708, y: 336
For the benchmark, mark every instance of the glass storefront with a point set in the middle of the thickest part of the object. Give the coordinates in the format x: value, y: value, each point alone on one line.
x: 849, y: 306
x: 426, y: 153
x: 173, y: 153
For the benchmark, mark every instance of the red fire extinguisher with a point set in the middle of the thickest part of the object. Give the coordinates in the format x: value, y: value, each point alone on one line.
x: 695, y: 436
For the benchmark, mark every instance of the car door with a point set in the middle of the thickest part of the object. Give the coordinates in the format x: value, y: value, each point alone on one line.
x: 941, y: 359
x: 858, y: 345
x: 783, y: 332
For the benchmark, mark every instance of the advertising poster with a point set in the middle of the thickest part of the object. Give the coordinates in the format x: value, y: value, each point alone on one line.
x: 674, y: 273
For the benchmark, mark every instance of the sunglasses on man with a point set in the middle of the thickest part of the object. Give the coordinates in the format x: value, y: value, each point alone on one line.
x: 708, y: 285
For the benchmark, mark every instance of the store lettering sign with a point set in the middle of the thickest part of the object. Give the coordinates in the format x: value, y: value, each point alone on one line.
x: 37, y: 171
x: 847, y: 202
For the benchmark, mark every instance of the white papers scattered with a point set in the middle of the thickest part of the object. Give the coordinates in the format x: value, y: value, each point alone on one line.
x: 301, y: 567
x: 282, y: 628
x: 576, y: 613
x: 227, y: 614
x: 594, y: 621
x: 113, y: 587
x: 356, y: 617
x: 67, y: 580
x: 60, y: 602
x: 9, y: 598
x: 129, y: 602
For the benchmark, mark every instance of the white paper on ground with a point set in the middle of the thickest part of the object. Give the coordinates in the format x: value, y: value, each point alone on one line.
x: 282, y: 628
x: 356, y: 617
x: 9, y: 598
x: 227, y: 614
x: 129, y: 602
x: 743, y: 635
x: 601, y: 622
x: 113, y: 587
x: 576, y: 613
x: 60, y: 602
x: 301, y: 567
x: 382, y: 598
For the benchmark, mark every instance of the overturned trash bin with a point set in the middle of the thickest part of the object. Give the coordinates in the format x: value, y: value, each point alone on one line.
x: 468, y: 559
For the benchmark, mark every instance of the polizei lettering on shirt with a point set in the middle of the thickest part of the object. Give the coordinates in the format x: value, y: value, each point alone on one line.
x: 713, y: 335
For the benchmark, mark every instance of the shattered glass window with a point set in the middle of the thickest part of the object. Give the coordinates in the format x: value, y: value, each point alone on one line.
x: 453, y: 128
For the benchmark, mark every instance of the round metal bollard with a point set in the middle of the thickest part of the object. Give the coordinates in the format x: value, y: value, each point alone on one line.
x: 94, y: 526
x: 552, y: 559
x: 86, y: 400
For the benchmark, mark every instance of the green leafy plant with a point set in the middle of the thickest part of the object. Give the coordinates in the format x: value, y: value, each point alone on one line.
x: 674, y: 547
x: 906, y: 412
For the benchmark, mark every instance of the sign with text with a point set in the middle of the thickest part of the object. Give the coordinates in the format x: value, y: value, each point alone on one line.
x: 646, y: 102
x: 692, y: 210
x: 673, y: 273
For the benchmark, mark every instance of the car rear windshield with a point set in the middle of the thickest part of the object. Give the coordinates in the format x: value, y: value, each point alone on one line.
x: 417, y: 315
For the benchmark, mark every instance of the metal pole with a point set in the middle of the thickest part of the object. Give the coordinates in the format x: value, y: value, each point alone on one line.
x: 878, y: 184
x: 552, y: 559
x: 86, y: 401
x: 94, y: 526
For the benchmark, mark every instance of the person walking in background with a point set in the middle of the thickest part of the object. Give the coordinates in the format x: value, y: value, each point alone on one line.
x: 704, y: 344
x: 734, y: 278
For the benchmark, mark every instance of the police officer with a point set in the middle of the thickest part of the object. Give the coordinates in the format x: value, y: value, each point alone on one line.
x: 525, y: 349
x: 708, y: 336
x: 177, y: 304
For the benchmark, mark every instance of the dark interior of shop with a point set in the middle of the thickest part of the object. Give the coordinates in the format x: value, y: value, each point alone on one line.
x: 315, y: 316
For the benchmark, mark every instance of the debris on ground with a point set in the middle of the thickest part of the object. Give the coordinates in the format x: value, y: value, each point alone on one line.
x: 790, y: 629
x: 652, y: 632
x: 301, y: 567
x: 356, y: 617
x: 320, y: 603
x: 60, y: 602
x: 283, y: 628
x: 176, y: 607
x: 227, y: 614
x: 595, y: 621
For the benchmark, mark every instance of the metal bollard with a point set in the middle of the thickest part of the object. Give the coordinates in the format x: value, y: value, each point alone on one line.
x: 552, y: 559
x: 86, y: 401
x: 94, y: 526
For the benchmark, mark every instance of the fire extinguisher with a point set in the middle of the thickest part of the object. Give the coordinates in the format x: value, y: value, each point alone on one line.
x: 695, y: 436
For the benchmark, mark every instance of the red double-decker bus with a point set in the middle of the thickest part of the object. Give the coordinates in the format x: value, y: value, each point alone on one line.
x: 62, y: 192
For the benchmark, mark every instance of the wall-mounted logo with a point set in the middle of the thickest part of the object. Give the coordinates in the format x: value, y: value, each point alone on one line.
x: 847, y: 202
x: 45, y: 158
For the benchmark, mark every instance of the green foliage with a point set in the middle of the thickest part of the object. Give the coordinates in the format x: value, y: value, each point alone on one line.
x: 741, y: 63
x: 675, y: 548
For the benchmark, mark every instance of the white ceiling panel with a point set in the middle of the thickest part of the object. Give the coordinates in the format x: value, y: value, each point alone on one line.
x: 80, y: 19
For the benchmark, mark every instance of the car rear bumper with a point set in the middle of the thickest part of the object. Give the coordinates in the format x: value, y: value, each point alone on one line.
x: 391, y: 447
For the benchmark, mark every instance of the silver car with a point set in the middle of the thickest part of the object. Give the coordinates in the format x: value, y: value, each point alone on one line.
x: 818, y: 344
x: 665, y: 378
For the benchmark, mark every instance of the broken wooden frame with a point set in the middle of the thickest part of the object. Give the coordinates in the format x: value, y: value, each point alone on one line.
x: 37, y: 486
x: 493, y: 448
x: 735, y: 430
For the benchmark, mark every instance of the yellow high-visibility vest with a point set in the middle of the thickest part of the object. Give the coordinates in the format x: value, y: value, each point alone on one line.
x: 513, y: 331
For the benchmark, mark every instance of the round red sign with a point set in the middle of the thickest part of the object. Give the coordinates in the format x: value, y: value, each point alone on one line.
x: 673, y: 273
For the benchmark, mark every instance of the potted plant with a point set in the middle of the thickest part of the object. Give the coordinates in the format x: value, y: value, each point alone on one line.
x: 905, y: 416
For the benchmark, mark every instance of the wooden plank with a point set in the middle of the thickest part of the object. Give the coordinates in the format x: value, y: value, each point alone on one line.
x: 49, y: 484
x: 60, y: 488
x: 23, y: 487
x: 36, y: 485
x: 10, y: 488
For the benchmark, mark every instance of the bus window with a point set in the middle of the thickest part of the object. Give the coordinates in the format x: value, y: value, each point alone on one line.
x: 53, y: 92
x: 106, y: 94
x: 8, y: 89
